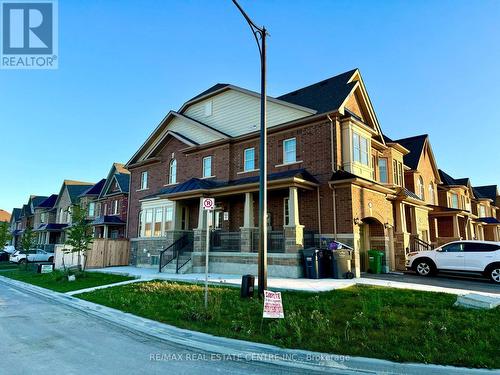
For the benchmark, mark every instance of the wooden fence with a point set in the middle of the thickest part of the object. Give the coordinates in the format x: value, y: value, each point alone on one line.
x: 106, y: 252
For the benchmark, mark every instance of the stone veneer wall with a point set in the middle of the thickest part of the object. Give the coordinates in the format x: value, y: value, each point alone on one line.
x: 145, y: 252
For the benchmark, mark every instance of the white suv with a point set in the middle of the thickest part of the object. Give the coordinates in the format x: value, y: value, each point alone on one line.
x: 463, y: 256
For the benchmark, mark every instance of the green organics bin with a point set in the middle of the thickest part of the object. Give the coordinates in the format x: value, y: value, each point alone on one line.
x: 375, y: 261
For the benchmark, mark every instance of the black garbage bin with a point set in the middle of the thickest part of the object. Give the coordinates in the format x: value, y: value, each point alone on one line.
x: 247, y: 286
x: 341, y: 264
x: 315, y: 263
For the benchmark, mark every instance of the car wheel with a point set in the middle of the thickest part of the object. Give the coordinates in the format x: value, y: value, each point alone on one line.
x: 495, y: 273
x: 51, y: 259
x: 22, y: 261
x: 424, y: 268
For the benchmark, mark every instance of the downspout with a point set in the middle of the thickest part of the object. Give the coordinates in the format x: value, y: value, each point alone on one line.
x: 319, y: 212
x: 334, y: 200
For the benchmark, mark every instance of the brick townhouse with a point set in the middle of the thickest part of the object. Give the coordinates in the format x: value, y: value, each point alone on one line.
x: 332, y: 173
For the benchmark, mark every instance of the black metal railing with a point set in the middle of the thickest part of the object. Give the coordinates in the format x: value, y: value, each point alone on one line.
x: 275, y: 241
x: 172, y: 251
x: 186, y: 249
x: 310, y: 239
x: 225, y: 241
x: 416, y: 244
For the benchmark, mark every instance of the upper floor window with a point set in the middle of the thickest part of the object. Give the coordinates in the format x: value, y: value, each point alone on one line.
x: 144, y: 180
x: 42, y: 217
x: 105, y: 209
x: 431, y: 194
x: 172, y: 172
x: 289, y: 151
x: 60, y: 215
x: 115, y: 207
x: 360, y: 148
x: 454, y: 200
x: 482, y: 211
x: 420, y: 187
x: 91, y: 209
x: 382, y: 170
x: 68, y: 217
x: 249, y: 159
x: 207, y: 166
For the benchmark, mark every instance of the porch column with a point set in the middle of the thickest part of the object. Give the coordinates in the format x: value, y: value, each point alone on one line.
x: 200, y: 233
x: 105, y: 234
x: 400, y: 218
x: 356, y: 261
x: 456, y: 229
x: 414, y: 229
x: 202, y: 218
x: 294, y: 232
x: 247, y: 231
x: 436, y: 227
x: 495, y: 234
x: 389, y: 248
x: 177, y: 215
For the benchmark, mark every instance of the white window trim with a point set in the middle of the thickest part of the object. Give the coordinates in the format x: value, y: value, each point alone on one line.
x: 203, y: 167
x: 141, y: 181
x: 245, y: 160
x: 284, y: 152
x: 253, y: 170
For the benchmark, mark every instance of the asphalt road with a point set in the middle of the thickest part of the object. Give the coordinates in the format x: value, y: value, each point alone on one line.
x: 446, y: 280
x: 40, y: 337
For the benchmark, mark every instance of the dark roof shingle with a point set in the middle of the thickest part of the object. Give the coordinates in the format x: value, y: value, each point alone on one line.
x: 415, y: 145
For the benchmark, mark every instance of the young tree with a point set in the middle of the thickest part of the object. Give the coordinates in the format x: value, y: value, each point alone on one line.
x: 28, y: 242
x: 79, y: 235
x: 4, y: 234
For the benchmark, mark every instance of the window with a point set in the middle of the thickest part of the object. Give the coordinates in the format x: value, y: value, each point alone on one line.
x: 68, y: 215
x: 420, y: 187
x: 42, y: 217
x: 144, y: 180
x: 454, y: 200
x: 141, y: 222
x: 453, y: 248
x: 286, y: 211
x: 169, y: 217
x: 91, y: 209
x: 60, y: 215
x: 249, y: 159
x: 207, y: 166
x: 360, y: 149
x: 289, y: 151
x: 382, y: 170
x: 157, y: 221
x: 148, y: 222
x: 208, y: 108
x: 115, y: 207
x: 431, y: 194
x: 480, y: 247
x: 172, y: 173
x: 482, y: 211
x: 400, y: 173
x: 105, y: 210
x: 395, y: 172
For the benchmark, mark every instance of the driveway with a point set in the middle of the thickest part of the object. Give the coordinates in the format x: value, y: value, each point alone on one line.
x: 474, y: 284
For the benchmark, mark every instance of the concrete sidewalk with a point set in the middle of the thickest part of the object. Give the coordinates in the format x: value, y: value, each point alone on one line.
x: 288, y: 358
x: 309, y: 285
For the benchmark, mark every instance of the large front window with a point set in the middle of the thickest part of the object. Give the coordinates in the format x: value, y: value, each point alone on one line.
x: 431, y: 194
x: 454, y: 200
x: 360, y: 149
x: 482, y: 211
x: 144, y: 180
x: 91, y: 211
x: 154, y: 221
x: 420, y: 187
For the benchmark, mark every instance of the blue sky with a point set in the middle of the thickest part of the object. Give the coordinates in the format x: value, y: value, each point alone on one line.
x: 429, y: 66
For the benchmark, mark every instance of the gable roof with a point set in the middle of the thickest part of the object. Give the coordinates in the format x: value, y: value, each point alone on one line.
x: 75, y: 189
x: 416, y: 146
x: 94, y: 190
x: 447, y: 179
x: 117, y: 173
x: 214, y: 88
x: 16, y: 214
x: 488, y: 191
x: 49, y: 202
x: 324, y: 96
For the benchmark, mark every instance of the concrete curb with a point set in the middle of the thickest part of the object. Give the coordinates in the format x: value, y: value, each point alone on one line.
x: 238, y: 349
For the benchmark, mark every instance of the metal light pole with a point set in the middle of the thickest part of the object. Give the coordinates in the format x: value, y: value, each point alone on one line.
x: 260, y: 34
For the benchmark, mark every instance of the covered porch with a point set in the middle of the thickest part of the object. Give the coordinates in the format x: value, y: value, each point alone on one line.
x: 489, y: 228
x: 449, y: 224
x: 49, y: 235
x: 111, y: 227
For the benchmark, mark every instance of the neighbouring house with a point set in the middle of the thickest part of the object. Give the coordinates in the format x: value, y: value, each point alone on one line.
x: 49, y: 233
x: 88, y: 199
x: 486, y: 207
x: 67, y: 198
x: 4, y: 216
x: 332, y: 174
x: 15, y: 226
x: 110, y: 209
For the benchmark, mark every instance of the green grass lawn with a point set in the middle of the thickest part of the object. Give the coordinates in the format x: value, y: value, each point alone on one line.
x: 394, y: 324
x: 58, y: 282
x: 8, y: 266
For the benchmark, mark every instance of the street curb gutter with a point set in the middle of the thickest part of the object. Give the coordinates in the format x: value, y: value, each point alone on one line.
x: 232, y: 348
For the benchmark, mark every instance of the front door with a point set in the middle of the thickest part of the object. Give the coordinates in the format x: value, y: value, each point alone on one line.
x: 451, y: 257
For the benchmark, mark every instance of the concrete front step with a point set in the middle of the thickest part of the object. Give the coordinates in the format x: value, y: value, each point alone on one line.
x: 172, y: 266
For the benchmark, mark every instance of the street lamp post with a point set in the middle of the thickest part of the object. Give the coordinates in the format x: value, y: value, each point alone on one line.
x: 260, y: 34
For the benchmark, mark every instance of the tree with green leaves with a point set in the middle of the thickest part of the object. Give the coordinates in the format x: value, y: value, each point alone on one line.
x: 79, y: 235
x: 4, y: 234
x: 28, y: 242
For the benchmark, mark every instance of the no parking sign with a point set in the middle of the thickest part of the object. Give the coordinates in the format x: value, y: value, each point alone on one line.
x: 208, y: 203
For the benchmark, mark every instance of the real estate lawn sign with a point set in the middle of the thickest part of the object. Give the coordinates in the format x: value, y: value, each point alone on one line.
x: 273, y: 306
